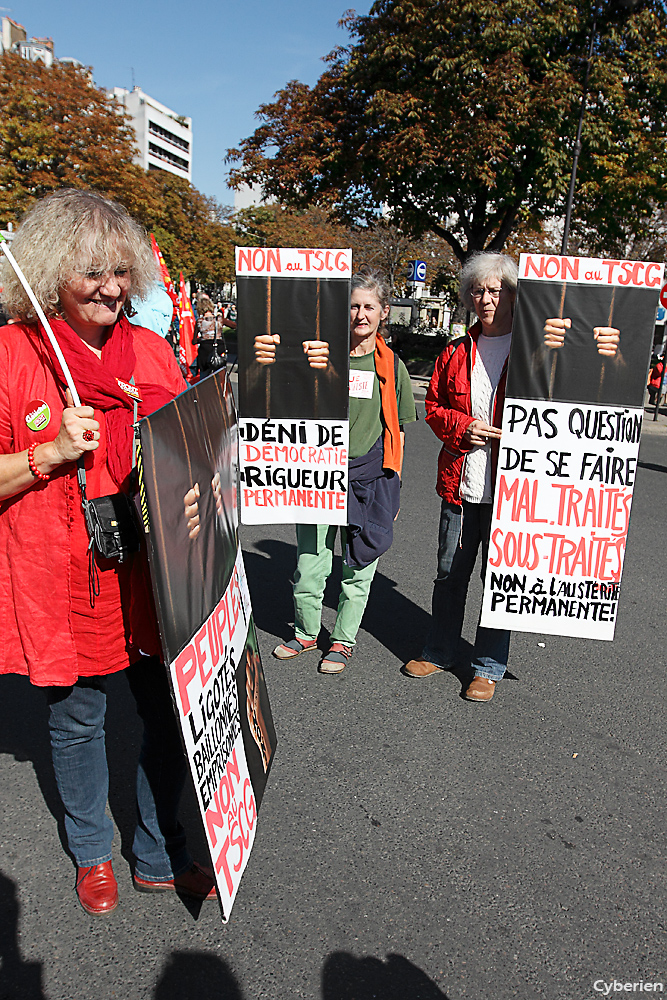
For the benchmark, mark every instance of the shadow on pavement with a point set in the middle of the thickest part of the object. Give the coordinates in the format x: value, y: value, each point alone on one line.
x: 24, y: 734
x: 190, y: 974
x: 345, y: 977
x: 390, y: 617
x: 20, y: 980
x: 652, y: 466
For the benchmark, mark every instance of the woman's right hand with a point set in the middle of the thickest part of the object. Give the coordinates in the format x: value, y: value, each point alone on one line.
x: 265, y: 348
x: 554, y: 332
x: 79, y: 432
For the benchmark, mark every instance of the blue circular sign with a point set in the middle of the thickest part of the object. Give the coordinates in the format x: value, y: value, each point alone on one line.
x: 417, y: 271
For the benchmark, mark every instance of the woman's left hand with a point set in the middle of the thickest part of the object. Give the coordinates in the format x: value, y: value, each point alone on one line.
x: 607, y: 338
x: 479, y: 433
x: 317, y: 352
x: 191, y: 509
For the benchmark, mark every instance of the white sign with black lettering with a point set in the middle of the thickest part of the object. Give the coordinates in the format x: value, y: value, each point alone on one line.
x: 565, y: 479
x: 293, y: 471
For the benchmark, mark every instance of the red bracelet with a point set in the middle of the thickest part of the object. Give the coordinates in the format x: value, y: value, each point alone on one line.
x: 31, y: 464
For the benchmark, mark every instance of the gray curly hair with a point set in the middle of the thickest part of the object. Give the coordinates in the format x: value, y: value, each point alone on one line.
x: 73, y: 232
x: 482, y: 266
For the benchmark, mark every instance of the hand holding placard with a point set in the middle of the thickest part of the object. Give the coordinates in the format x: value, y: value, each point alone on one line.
x: 478, y: 433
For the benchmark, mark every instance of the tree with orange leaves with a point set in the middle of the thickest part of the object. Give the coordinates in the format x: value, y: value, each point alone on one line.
x: 57, y: 129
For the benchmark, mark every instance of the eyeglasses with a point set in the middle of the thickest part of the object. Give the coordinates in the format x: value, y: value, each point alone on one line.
x: 478, y: 293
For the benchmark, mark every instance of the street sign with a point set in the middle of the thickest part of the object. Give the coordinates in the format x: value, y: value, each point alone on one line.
x: 417, y: 272
x: 663, y: 296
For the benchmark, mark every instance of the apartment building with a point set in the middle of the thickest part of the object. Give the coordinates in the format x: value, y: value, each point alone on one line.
x: 163, y: 138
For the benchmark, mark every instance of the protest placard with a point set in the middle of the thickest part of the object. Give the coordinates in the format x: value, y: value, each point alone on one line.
x: 205, y: 618
x: 567, y: 462
x: 293, y: 346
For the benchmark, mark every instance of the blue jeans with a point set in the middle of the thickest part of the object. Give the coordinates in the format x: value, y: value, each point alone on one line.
x: 76, y: 724
x: 461, y: 531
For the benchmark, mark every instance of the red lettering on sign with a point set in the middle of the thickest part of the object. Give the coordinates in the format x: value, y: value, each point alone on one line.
x: 185, y: 668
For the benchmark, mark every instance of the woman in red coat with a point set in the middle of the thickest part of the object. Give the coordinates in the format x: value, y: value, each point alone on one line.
x: 68, y: 620
x: 464, y: 407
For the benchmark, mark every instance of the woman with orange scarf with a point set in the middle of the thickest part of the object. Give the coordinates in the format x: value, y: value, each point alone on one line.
x: 381, y: 402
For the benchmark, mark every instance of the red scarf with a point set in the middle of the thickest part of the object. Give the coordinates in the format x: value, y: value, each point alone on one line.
x: 96, y: 381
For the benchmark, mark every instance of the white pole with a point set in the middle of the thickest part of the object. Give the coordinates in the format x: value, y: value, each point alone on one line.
x: 43, y: 320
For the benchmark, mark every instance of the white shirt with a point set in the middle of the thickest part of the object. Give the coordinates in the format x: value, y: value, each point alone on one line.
x: 490, y: 360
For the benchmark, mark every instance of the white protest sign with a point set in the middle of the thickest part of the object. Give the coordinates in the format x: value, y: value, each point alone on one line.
x: 204, y: 679
x: 561, y: 513
x: 293, y: 471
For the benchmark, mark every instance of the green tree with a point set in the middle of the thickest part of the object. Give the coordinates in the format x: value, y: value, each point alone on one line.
x: 279, y: 226
x: 190, y: 229
x: 380, y: 244
x: 460, y: 116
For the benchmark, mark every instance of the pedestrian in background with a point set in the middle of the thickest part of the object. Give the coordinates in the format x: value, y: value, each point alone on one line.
x: 655, y: 380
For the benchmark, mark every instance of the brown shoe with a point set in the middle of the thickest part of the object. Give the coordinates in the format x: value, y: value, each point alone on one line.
x: 97, y: 888
x: 197, y: 883
x: 420, y: 668
x: 480, y: 689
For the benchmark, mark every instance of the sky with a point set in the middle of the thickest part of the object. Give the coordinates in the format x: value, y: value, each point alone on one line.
x: 214, y: 60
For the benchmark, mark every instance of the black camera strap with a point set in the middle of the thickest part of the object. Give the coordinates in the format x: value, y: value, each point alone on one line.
x: 87, y: 505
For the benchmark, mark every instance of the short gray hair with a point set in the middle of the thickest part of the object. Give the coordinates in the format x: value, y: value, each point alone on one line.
x: 372, y: 281
x: 73, y: 232
x: 482, y: 266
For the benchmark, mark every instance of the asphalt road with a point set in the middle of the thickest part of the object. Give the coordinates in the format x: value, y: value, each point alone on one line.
x: 411, y: 845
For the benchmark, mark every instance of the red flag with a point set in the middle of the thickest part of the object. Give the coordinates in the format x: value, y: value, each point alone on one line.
x: 187, y: 352
x: 164, y: 272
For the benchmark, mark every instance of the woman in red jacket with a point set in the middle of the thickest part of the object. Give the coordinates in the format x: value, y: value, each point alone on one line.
x: 464, y: 406
x: 69, y: 618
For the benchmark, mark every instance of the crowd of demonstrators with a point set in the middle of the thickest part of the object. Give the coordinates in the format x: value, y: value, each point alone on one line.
x: 381, y: 403
x: 211, y: 322
x: 464, y: 408
x: 70, y: 617
x: 89, y: 264
x: 209, y: 338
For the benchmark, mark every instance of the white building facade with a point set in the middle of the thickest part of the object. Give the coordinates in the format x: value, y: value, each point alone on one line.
x: 163, y: 138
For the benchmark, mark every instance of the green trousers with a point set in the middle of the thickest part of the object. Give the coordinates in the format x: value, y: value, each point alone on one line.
x: 315, y: 549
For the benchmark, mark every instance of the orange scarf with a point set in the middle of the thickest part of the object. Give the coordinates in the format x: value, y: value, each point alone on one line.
x: 393, y: 446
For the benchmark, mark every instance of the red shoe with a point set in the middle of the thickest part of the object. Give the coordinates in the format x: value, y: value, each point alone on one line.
x: 288, y: 650
x: 197, y: 883
x: 97, y: 888
x: 335, y: 660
